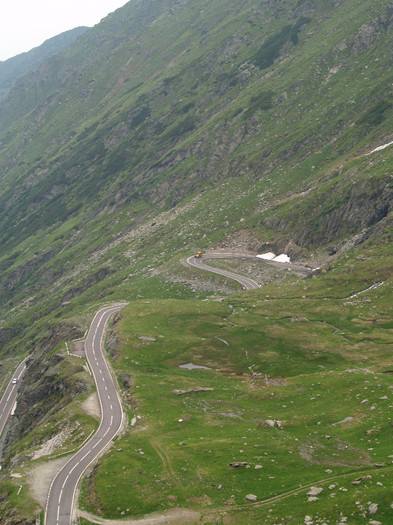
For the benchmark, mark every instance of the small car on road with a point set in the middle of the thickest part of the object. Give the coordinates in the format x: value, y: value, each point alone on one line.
x: 15, y: 380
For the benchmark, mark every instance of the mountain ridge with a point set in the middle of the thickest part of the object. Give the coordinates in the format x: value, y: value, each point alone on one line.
x: 19, y: 65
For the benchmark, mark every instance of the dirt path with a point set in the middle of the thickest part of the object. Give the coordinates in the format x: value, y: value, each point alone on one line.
x: 166, y: 462
x: 172, y: 517
x: 40, y: 477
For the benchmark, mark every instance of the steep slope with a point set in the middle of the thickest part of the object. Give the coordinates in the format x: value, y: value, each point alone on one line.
x: 166, y: 99
x: 15, y: 67
x: 177, y: 125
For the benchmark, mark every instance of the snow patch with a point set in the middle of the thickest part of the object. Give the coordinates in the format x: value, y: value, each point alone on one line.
x: 269, y: 256
x: 380, y: 147
x: 283, y: 258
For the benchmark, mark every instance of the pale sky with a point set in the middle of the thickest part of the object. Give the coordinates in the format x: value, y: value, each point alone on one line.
x: 25, y: 24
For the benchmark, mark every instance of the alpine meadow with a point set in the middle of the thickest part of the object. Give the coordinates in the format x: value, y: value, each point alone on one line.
x: 148, y: 165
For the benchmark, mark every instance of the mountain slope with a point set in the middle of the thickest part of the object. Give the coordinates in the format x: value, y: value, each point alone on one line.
x: 15, y: 67
x: 174, y: 126
x: 165, y: 99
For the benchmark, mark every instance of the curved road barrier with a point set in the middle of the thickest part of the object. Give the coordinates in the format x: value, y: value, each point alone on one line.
x: 60, y: 501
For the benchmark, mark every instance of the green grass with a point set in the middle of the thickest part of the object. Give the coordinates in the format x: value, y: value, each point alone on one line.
x: 308, y: 388
x: 228, y: 117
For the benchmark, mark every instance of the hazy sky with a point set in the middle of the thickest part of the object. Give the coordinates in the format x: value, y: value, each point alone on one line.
x: 25, y: 24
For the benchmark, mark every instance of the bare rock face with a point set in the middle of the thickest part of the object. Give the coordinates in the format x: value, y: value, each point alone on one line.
x: 51, y: 383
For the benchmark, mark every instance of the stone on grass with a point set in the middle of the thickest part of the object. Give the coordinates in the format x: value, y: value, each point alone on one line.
x: 315, y: 491
x: 373, y: 508
x: 238, y: 464
x: 357, y: 481
x: 251, y: 497
x: 258, y: 467
x: 312, y: 498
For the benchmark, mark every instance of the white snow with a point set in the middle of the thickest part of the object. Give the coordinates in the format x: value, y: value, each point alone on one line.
x: 269, y: 256
x: 380, y: 147
x: 283, y: 258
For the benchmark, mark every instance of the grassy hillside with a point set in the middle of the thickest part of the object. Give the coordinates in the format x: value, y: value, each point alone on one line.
x: 328, y: 390
x: 177, y: 126
x: 187, y: 97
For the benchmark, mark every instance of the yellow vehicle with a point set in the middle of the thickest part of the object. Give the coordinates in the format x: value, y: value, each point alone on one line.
x: 199, y: 254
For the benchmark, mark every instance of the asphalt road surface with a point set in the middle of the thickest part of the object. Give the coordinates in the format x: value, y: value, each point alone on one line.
x: 248, y: 284
x: 9, y: 396
x: 60, y: 502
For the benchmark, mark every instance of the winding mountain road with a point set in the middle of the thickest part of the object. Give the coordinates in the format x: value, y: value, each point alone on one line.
x: 9, y: 397
x: 60, y: 501
x: 248, y: 283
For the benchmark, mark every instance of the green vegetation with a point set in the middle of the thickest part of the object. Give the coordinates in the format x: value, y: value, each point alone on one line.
x: 262, y: 367
x: 173, y: 127
x: 270, y: 49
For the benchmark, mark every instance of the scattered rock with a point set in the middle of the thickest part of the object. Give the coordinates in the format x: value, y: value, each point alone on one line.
x: 251, y: 497
x: 299, y: 319
x: 258, y: 467
x: 145, y: 338
x: 373, y: 508
x: 195, y: 390
x: 374, y: 522
x: 272, y: 423
x: 358, y: 481
x: 181, y: 444
x: 315, y: 491
x: 312, y: 498
x: 379, y: 484
x: 379, y: 465
x: 238, y: 464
